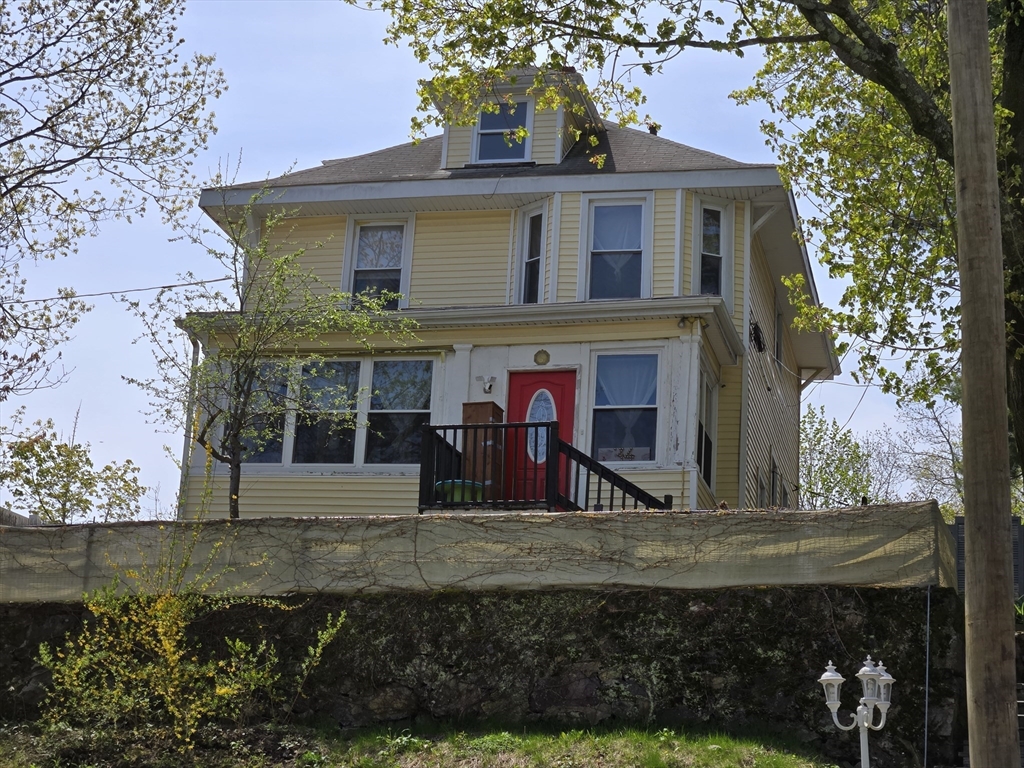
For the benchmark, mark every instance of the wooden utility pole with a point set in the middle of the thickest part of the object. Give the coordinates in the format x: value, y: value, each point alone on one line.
x: 991, y: 673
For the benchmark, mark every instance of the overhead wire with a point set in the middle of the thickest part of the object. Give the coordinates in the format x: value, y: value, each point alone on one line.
x: 73, y: 296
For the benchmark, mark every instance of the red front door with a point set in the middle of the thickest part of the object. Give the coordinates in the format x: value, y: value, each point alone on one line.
x: 540, y: 396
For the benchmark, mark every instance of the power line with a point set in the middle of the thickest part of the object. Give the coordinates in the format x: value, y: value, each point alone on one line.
x: 119, y: 293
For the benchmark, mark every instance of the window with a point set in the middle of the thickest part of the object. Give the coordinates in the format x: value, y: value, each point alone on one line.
x: 762, y: 491
x: 785, y: 497
x: 616, y: 251
x: 533, y: 248
x: 263, y: 440
x: 775, y: 484
x: 711, y: 252
x: 399, y: 407
x: 378, y: 260
x: 705, y: 428
x: 496, y: 136
x: 325, y: 434
x: 355, y: 412
x: 626, y: 408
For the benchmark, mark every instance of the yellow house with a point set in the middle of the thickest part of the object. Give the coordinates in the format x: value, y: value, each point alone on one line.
x: 638, y: 304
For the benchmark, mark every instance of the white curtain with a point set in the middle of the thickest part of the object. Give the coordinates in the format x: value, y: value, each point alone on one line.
x: 618, y: 227
x: 624, y: 380
x: 627, y: 380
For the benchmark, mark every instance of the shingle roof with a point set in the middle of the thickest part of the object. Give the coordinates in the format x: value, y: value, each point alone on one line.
x: 627, y: 150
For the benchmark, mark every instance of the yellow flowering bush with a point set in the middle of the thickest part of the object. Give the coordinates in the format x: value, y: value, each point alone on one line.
x: 135, y: 662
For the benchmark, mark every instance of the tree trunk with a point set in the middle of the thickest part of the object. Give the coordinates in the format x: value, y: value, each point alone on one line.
x: 234, y: 484
x: 991, y: 673
x: 1012, y: 99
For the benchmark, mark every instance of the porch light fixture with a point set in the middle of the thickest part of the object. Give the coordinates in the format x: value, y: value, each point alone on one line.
x: 876, y: 687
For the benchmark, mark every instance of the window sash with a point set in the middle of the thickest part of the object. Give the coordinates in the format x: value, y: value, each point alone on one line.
x: 532, y: 257
x: 494, y: 129
x: 379, y: 260
x: 381, y: 428
x: 625, y: 413
x: 616, y: 263
x: 711, y: 250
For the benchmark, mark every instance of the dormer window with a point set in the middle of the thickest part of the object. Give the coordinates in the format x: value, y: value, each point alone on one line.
x: 496, y: 140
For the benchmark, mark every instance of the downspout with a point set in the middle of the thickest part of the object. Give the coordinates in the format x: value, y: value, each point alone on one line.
x: 186, y: 448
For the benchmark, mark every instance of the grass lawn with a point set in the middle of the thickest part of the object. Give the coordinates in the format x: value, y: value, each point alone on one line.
x: 267, y: 747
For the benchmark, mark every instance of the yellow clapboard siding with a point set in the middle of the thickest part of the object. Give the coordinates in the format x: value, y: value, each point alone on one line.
x: 663, y: 267
x: 727, y: 464
x: 460, y: 258
x: 658, y: 483
x: 773, y: 398
x: 323, y: 240
x: 269, y: 495
x: 740, y: 239
x: 544, y: 138
x: 569, y: 247
x: 460, y: 145
x: 705, y: 499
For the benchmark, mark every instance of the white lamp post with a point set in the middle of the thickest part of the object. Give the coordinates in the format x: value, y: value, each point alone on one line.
x: 876, y: 685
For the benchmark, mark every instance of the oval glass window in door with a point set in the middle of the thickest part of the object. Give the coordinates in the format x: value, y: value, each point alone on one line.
x: 542, y: 408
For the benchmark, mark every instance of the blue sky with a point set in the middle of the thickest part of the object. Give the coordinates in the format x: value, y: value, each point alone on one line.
x: 310, y: 80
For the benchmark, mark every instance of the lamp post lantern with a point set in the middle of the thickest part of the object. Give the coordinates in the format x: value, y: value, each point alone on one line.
x: 876, y: 687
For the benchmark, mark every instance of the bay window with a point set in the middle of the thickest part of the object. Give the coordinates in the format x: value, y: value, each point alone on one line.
x: 354, y: 413
x: 626, y: 408
x: 263, y: 439
x: 706, y: 409
x: 399, y: 407
x: 325, y: 431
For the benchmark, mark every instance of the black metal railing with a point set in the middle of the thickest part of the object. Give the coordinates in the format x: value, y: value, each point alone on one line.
x: 519, y: 466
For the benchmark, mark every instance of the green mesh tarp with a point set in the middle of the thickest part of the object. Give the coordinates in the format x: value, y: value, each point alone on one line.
x: 901, y: 545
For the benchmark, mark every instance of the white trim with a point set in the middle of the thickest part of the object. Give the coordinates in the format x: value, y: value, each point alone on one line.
x: 213, y: 201
x: 766, y: 216
x: 555, y: 246
x: 665, y: 431
x: 745, y: 362
x: 509, y: 287
x: 527, y: 142
x: 677, y: 275
x: 728, y: 244
x: 590, y: 201
x: 408, y: 221
x: 525, y: 214
x: 444, y: 148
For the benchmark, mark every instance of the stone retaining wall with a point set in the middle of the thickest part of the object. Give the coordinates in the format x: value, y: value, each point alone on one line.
x: 728, y: 659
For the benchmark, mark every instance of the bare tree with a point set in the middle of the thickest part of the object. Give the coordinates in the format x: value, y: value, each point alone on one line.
x: 101, y: 115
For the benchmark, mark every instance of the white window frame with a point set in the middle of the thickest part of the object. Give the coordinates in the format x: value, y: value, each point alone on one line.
x: 361, y: 411
x: 728, y: 211
x: 525, y: 214
x: 665, y: 427
x: 408, y: 221
x: 588, y: 202
x: 527, y: 142
x: 708, y: 382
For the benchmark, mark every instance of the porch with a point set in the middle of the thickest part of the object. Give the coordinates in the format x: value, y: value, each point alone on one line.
x: 506, y: 466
